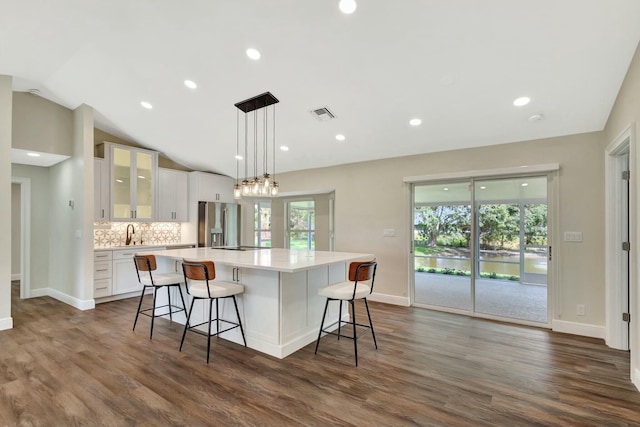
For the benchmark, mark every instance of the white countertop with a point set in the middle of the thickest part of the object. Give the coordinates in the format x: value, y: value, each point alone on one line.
x: 285, y: 260
x: 140, y: 247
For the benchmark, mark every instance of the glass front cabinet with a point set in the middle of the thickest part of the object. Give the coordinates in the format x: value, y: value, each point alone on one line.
x: 133, y: 181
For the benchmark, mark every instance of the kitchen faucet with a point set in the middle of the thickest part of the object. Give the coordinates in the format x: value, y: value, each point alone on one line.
x: 129, y: 236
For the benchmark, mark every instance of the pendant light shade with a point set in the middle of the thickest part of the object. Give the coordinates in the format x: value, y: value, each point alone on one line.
x: 261, y: 185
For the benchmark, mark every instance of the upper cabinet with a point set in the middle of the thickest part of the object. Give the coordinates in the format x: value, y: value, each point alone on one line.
x: 133, y: 176
x: 172, y: 195
x: 100, y: 190
x: 213, y: 188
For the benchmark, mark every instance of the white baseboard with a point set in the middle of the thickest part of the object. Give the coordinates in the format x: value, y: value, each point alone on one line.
x: 6, y: 323
x: 593, y: 331
x: 389, y: 299
x: 15, y: 277
x: 636, y: 379
x: 67, y: 299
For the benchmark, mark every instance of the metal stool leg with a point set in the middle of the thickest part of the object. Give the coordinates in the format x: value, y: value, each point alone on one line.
x: 355, y: 336
x: 153, y: 310
x: 373, y: 334
x: 144, y: 288
x: 186, y: 325
x: 239, y: 320
x: 169, y: 300
x: 321, y: 325
x: 209, y: 337
x: 184, y: 306
x: 339, y: 319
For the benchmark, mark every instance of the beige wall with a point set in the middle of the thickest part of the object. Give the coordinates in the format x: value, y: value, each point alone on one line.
x: 625, y: 113
x: 41, y: 125
x: 71, y: 239
x: 6, y: 96
x: 15, y: 229
x: 371, y: 196
x: 40, y: 222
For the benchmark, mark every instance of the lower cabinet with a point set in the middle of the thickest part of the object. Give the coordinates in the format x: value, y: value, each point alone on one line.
x: 125, y: 278
x: 102, y: 273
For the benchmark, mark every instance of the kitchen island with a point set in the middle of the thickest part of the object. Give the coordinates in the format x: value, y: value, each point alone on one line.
x: 280, y: 308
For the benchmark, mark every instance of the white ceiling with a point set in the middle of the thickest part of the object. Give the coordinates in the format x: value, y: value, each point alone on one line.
x: 456, y: 64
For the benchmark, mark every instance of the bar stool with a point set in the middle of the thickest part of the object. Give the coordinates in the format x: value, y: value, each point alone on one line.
x: 358, y: 286
x: 199, y: 277
x: 145, y: 265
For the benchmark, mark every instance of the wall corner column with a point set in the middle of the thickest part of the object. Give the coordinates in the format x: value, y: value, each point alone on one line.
x: 6, y: 112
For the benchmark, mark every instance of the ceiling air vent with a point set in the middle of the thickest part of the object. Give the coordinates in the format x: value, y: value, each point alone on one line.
x: 323, y: 114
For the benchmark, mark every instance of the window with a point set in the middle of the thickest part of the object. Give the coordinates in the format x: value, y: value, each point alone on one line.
x: 262, y: 224
x: 302, y: 224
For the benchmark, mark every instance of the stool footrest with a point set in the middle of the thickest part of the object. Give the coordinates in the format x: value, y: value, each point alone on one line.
x: 198, y: 331
x: 170, y: 311
x: 344, y: 322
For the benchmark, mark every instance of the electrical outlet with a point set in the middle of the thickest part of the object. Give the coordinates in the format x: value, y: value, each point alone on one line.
x: 580, y: 309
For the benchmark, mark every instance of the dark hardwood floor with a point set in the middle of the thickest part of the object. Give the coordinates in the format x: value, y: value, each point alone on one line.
x: 64, y: 367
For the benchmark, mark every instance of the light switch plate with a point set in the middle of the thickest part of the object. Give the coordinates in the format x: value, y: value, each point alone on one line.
x: 389, y: 232
x: 573, y: 236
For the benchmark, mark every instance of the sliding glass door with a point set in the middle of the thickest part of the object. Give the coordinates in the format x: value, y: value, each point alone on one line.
x: 442, y: 245
x: 481, y: 247
x: 511, y: 254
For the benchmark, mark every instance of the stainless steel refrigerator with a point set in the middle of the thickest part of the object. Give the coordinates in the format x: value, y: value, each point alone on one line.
x: 218, y: 224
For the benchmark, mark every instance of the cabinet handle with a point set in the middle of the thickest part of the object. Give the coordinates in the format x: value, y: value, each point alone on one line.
x: 102, y: 213
x: 101, y: 256
x: 103, y: 269
x: 99, y: 289
x: 130, y: 253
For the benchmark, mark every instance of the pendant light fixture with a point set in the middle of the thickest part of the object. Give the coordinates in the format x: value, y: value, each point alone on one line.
x: 264, y: 186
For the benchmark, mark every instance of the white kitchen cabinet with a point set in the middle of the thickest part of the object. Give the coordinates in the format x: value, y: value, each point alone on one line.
x: 210, y: 187
x: 100, y: 190
x: 125, y: 278
x: 172, y: 195
x: 133, y: 173
x: 102, y: 273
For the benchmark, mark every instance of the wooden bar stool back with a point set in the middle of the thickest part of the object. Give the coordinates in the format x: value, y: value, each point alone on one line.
x: 145, y: 266
x: 360, y: 284
x: 199, y: 277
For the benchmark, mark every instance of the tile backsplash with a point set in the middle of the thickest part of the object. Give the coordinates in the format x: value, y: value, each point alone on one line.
x: 107, y: 234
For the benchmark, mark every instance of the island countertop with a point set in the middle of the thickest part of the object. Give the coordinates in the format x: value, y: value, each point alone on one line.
x: 275, y: 259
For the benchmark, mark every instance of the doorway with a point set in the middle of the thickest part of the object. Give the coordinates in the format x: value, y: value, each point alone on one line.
x: 24, y: 213
x: 620, y: 226
x: 480, y: 247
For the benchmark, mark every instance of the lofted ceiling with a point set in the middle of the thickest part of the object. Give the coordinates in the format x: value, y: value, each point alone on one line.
x: 455, y: 64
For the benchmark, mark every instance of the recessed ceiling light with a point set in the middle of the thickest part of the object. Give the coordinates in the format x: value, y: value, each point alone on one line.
x: 340, y: 137
x: 253, y: 54
x: 415, y: 122
x: 347, y: 6
x: 190, y: 84
x: 519, y: 102
x: 536, y: 118
x: 119, y: 180
x: 446, y: 189
x: 238, y: 157
x: 140, y: 176
x: 146, y: 105
x: 483, y: 188
x: 524, y: 184
x: 33, y: 154
x: 284, y: 148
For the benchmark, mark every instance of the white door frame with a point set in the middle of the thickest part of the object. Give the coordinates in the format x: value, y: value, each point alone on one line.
x: 616, y: 330
x: 25, y: 235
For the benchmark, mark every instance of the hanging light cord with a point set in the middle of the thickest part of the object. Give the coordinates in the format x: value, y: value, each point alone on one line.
x: 274, y: 143
x: 237, y: 143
